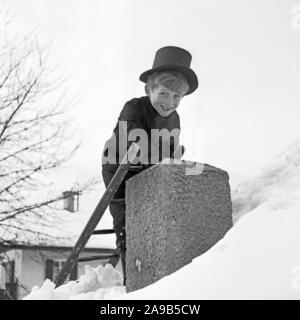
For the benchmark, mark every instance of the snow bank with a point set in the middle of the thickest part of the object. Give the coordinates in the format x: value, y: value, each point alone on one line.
x: 96, y: 284
x: 259, y: 258
x: 279, y: 180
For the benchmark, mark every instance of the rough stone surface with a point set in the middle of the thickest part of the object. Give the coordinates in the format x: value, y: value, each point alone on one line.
x: 172, y: 218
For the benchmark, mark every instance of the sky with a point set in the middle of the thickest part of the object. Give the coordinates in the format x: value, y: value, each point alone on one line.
x: 245, y: 53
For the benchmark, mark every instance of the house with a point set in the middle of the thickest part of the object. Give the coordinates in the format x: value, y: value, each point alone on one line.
x: 23, y: 266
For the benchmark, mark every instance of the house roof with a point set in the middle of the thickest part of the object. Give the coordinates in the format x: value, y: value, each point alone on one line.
x: 52, y: 247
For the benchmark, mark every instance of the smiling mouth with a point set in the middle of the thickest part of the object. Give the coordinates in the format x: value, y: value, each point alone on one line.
x: 165, y: 108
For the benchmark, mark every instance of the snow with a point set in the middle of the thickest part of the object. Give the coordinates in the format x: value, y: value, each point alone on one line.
x: 259, y: 258
x: 255, y: 260
x: 97, y: 283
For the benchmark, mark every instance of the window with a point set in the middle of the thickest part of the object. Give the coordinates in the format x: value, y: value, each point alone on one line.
x: 53, y: 268
x: 57, y: 266
x: 10, y: 280
x: 9, y: 271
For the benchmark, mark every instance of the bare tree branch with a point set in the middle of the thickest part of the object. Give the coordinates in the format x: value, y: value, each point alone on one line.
x: 35, y: 139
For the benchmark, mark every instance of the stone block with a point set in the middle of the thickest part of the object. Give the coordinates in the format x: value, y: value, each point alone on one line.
x: 171, y: 218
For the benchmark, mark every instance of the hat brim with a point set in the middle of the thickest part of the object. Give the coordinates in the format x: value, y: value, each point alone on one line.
x: 187, y: 72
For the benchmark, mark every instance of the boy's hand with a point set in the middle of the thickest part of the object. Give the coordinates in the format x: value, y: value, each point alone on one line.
x: 176, y: 157
x: 178, y: 153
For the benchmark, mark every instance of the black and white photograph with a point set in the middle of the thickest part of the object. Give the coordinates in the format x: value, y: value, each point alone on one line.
x: 149, y: 150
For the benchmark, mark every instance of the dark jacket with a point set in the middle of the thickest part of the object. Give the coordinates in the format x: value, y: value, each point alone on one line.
x: 140, y: 114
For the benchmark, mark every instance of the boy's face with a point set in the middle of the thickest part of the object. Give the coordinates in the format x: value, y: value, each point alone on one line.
x: 163, y: 100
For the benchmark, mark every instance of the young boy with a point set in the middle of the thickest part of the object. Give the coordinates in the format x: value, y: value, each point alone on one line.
x: 169, y: 80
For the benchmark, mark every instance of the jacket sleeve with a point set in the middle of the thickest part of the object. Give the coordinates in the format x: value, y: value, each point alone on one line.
x: 130, y: 118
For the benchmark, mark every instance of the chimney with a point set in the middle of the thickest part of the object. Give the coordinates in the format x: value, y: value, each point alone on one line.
x: 70, y: 198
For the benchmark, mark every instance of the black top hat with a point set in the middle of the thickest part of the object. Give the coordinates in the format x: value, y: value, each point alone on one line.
x: 173, y: 58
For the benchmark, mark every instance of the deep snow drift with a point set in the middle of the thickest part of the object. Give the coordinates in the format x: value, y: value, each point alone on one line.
x: 259, y: 258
